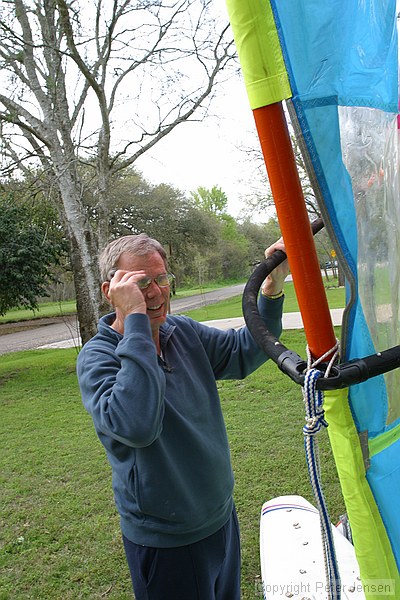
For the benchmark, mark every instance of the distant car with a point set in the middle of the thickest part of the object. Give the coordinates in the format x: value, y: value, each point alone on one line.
x: 331, y: 264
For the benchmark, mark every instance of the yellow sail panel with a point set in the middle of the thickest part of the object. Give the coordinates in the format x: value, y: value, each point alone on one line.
x: 371, y: 542
x: 259, y: 51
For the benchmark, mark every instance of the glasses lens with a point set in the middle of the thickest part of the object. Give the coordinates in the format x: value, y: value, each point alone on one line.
x: 162, y: 280
x: 144, y: 283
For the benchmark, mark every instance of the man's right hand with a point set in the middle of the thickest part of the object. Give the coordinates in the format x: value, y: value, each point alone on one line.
x: 124, y: 294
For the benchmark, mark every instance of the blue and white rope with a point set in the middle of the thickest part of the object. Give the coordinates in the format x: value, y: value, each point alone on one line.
x: 313, y: 400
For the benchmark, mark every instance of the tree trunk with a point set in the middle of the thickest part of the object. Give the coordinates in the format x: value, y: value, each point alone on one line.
x: 88, y: 298
x: 340, y: 277
x: 83, y: 248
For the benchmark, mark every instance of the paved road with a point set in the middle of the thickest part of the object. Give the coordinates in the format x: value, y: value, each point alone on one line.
x: 41, y: 332
x: 33, y: 334
x: 183, y: 304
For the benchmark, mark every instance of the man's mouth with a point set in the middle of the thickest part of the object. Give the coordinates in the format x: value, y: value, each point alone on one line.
x: 154, y: 307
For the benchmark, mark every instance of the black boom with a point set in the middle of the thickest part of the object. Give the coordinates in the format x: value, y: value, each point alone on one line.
x: 340, y: 375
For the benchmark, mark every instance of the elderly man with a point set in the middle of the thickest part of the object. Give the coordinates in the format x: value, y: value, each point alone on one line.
x: 148, y: 379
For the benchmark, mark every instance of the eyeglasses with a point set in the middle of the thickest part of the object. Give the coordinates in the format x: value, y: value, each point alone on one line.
x: 163, y: 280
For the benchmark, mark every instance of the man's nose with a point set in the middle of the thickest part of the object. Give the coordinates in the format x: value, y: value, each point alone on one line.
x: 153, y: 289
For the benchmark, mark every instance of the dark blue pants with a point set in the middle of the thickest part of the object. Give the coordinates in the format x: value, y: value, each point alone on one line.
x: 206, y: 570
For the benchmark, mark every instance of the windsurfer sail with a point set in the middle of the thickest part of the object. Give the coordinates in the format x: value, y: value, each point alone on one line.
x: 336, y: 66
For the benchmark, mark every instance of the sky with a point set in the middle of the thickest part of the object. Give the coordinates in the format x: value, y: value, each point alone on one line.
x: 211, y: 152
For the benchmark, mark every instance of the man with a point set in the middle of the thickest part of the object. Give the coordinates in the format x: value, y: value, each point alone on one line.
x: 148, y: 380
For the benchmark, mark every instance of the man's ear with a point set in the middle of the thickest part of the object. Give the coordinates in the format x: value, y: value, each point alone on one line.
x: 105, y: 288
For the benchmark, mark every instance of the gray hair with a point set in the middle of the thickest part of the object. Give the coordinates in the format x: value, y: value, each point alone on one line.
x: 136, y: 245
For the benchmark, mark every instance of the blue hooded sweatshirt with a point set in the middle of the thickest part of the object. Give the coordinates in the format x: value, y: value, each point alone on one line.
x: 160, y: 420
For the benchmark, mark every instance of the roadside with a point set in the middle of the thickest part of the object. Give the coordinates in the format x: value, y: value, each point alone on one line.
x: 39, y: 333
x: 26, y: 325
x: 68, y: 337
x: 178, y: 305
x: 63, y: 331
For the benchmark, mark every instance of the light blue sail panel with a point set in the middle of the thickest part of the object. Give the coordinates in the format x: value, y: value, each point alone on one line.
x: 342, y: 60
x: 385, y: 469
x: 341, y: 49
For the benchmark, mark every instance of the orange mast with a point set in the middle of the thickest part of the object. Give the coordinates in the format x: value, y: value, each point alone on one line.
x: 295, y: 227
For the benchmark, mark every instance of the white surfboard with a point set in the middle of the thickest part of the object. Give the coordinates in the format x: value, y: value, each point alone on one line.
x: 292, y: 560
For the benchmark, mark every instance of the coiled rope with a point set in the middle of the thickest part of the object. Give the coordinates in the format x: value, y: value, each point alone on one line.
x: 315, y: 421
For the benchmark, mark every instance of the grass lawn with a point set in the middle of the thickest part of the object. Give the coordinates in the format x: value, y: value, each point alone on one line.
x: 46, y: 309
x: 60, y: 537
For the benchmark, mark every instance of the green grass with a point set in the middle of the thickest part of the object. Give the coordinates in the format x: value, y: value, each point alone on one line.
x: 45, y: 309
x: 228, y: 309
x: 59, y: 531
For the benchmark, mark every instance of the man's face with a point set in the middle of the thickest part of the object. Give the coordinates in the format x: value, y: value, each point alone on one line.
x: 156, y: 297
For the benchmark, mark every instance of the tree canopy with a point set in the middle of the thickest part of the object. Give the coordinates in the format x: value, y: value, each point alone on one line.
x: 201, y: 245
x: 29, y: 249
